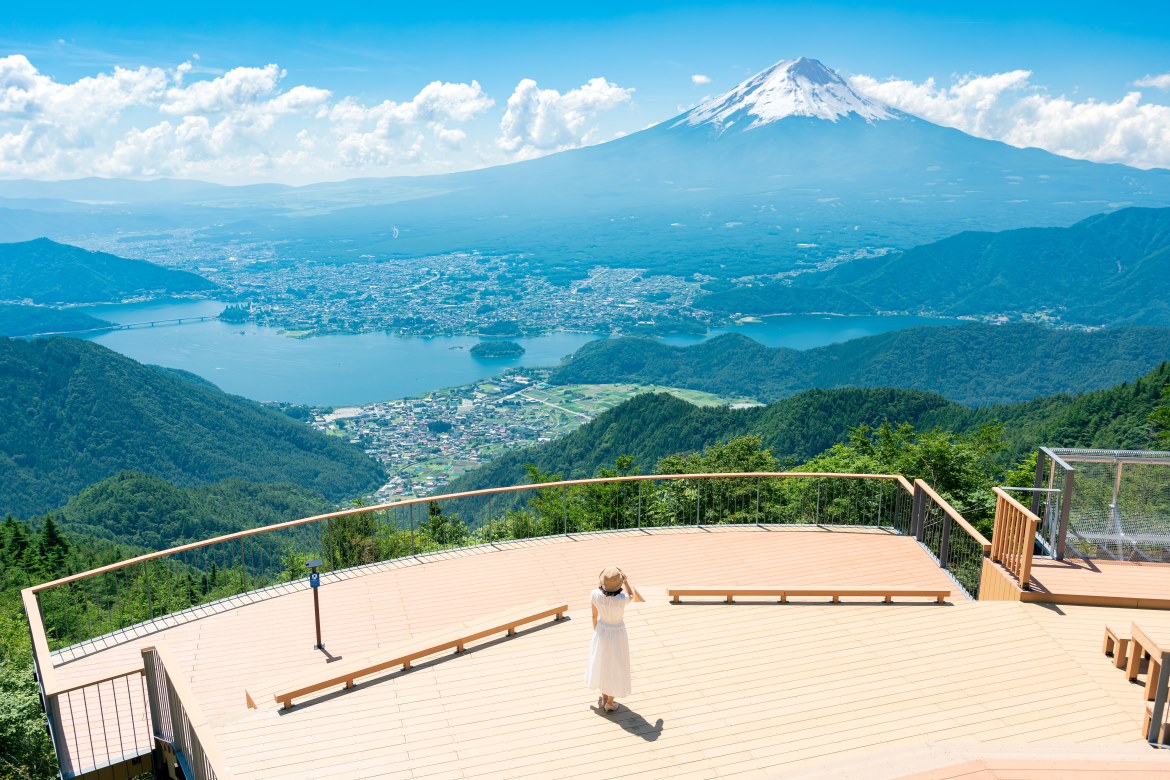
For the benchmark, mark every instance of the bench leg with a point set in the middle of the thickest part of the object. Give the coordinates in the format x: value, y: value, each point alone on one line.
x: 1152, y: 678
x: 1120, y: 653
x: 1135, y: 660
x: 1108, y: 645
x: 675, y: 599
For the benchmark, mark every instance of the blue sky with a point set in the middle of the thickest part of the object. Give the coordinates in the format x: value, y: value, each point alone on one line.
x: 598, y: 70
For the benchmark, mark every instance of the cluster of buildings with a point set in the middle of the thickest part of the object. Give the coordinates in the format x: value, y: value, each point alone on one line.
x: 458, y: 294
x: 426, y: 442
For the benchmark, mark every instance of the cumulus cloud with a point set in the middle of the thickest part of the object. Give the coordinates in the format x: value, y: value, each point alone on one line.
x: 240, y: 125
x: 538, y: 121
x: 699, y: 78
x: 25, y: 93
x: 1161, y: 82
x: 1007, y: 107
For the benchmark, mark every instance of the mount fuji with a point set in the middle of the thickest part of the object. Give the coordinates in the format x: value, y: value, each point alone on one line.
x: 791, y: 167
x: 800, y: 87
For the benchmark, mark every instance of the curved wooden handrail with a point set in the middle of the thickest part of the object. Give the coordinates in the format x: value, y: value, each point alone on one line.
x: 955, y: 516
x: 448, y: 497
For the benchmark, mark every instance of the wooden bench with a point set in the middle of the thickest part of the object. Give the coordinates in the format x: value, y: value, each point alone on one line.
x: 457, y: 638
x: 1116, y: 644
x: 1164, y: 737
x: 1143, y: 645
x: 729, y: 593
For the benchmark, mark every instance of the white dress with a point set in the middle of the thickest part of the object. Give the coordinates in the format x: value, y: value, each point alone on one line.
x: 609, y: 653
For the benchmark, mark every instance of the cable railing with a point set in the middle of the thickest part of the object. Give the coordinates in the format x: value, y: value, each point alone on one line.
x: 957, y: 546
x: 100, y: 725
x: 178, y: 720
x: 74, y: 616
x: 93, y: 610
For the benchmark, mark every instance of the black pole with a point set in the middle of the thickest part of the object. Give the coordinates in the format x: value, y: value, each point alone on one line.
x: 315, y: 584
x: 317, y: 618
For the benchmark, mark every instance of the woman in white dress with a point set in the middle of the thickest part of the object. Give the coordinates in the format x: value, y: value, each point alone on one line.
x: 609, y: 653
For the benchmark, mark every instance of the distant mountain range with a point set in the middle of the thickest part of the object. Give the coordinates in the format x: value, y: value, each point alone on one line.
x: 1105, y: 270
x: 975, y: 364
x: 797, y: 428
x: 791, y: 167
x: 75, y: 413
x: 46, y: 272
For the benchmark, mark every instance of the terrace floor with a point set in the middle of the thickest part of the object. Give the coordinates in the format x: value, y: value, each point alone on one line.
x: 750, y: 689
x: 1108, y: 583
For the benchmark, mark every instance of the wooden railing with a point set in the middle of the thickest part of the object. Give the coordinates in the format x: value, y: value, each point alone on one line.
x: 76, y: 615
x: 120, y: 739
x: 178, y: 721
x: 956, y: 544
x: 1014, y: 537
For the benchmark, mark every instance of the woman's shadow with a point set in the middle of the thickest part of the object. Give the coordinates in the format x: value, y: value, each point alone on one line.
x: 632, y: 722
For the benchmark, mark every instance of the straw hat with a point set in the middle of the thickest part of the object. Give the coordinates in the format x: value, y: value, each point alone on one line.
x: 610, y: 579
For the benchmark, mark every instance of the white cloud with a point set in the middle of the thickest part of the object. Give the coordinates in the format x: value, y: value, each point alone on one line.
x: 1161, y: 82
x: 699, y: 78
x: 538, y: 121
x: 234, y: 89
x: 25, y: 93
x: 1006, y: 107
x: 436, y: 101
x: 238, y: 126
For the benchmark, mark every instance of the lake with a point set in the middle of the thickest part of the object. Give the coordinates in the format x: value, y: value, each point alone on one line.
x: 343, y: 370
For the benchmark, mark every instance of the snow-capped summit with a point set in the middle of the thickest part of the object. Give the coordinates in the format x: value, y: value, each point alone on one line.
x: 800, y: 87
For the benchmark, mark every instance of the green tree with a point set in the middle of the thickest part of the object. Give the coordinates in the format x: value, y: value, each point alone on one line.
x: 1160, y: 418
x: 961, y: 467
x: 53, y: 549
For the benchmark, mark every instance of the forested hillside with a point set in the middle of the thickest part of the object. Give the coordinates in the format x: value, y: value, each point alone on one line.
x: 75, y: 413
x: 975, y: 364
x: 799, y: 427
x: 1109, y: 269
x: 150, y: 512
x: 652, y: 426
x: 44, y: 271
x: 16, y: 320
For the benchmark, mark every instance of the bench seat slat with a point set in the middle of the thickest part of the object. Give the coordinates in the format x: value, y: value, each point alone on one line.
x: 784, y: 592
x: 404, y: 653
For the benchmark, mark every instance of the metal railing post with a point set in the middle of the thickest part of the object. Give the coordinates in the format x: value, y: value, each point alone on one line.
x: 639, y: 505
x: 146, y: 579
x: 1065, y: 506
x: 698, y: 496
x: 1038, y: 482
x: 917, y: 512
x: 944, y: 546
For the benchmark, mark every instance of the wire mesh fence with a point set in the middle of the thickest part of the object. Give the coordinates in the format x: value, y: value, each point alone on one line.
x: 1112, y: 504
